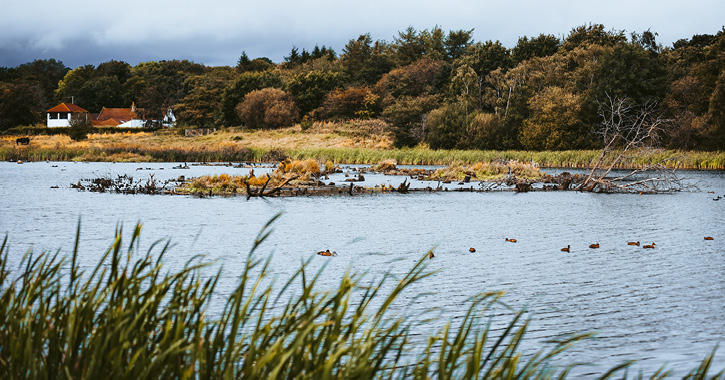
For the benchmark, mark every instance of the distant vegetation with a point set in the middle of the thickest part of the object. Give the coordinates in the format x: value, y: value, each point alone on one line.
x: 441, y: 89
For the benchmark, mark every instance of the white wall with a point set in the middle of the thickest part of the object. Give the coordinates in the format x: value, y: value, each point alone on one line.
x: 52, y: 123
x: 132, y: 124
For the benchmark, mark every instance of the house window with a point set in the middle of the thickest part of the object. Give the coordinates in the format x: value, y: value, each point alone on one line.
x: 53, y: 115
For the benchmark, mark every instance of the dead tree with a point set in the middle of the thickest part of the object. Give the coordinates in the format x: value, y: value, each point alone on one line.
x: 628, y: 131
x: 261, y: 192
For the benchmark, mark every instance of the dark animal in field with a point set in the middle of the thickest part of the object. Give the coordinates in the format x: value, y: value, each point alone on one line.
x: 633, y: 243
x: 709, y: 238
x: 472, y: 250
x: 22, y: 141
x: 650, y: 246
x: 431, y: 255
x: 567, y: 249
x: 594, y: 245
x: 511, y: 240
x: 327, y: 253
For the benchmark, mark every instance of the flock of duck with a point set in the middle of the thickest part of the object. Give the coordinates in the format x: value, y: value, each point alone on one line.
x: 565, y: 249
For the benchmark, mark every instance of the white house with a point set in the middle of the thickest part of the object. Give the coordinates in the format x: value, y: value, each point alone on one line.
x: 59, y: 116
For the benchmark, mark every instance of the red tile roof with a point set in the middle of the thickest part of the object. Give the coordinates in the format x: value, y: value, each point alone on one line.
x: 105, y: 123
x: 64, y: 107
x: 121, y: 115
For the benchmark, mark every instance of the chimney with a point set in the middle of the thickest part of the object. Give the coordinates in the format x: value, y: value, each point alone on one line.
x: 133, y: 107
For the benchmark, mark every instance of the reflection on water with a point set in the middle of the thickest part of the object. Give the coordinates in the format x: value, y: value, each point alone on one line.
x: 661, y: 305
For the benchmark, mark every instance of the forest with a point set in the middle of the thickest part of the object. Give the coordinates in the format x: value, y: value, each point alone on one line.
x: 426, y: 87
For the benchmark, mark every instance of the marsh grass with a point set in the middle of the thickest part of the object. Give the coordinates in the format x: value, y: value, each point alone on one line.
x: 127, y: 317
x: 353, y: 142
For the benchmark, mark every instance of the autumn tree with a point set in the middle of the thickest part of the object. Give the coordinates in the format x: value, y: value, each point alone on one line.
x: 234, y: 93
x: 422, y: 77
x: 351, y: 102
x: 268, y: 108
x: 555, y: 121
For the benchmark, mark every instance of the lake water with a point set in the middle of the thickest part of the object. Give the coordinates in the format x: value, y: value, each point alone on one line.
x: 661, y: 306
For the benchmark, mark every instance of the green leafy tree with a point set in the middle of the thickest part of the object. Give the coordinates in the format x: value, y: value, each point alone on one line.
x: 445, y: 126
x: 356, y: 54
x: 408, y: 47
x: 457, y: 42
x: 156, y: 86
x: 542, y: 46
x: 592, y: 34
x: 21, y: 104
x: 407, y: 116
x: 69, y: 88
x: 202, y: 104
x: 310, y: 89
x: 630, y: 71
x: 433, y: 43
x: 486, y: 57
x: 46, y: 73
x: 716, y: 115
x: 118, y: 69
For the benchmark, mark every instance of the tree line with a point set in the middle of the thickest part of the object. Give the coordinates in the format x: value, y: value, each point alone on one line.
x: 439, y: 88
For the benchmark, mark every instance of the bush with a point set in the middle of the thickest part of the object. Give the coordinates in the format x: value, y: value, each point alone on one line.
x: 268, y: 108
x: 80, y: 126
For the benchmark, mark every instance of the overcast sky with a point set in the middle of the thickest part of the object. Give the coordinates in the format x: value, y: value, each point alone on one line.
x: 215, y: 32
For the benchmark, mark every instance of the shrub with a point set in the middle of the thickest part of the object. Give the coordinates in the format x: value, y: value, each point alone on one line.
x: 80, y: 126
x: 268, y: 108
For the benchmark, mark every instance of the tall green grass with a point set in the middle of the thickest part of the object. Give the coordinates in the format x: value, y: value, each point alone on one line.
x: 405, y: 156
x: 129, y: 318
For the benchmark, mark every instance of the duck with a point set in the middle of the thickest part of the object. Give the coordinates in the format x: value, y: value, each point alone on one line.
x: 471, y: 249
x: 327, y: 253
x: 594, y: 245
x: 649, y: 246
x: 567, y: 249
x: 431, y: 255
x: 633, y: 243
x: 511, y: 240
x: 709, y: 238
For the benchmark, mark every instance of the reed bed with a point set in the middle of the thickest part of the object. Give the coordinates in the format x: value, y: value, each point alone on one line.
x: 261, y: 146
x: 128, y: 317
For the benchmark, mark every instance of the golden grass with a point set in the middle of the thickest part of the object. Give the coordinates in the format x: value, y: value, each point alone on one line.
x: 349, y: 142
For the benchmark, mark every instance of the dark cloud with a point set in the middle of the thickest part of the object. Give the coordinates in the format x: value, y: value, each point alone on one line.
x: 216, y: 32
